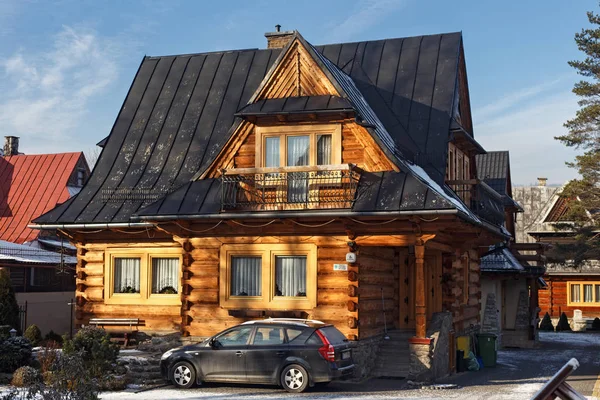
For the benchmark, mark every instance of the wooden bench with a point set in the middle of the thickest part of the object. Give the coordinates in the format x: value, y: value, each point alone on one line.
x: 131, y: 322
x: 557, y: 386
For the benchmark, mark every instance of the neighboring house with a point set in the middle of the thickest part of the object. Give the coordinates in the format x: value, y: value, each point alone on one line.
x: 569, y: 288
x: 509, y: 281
x: 295, y: 181
x: 31, y: 185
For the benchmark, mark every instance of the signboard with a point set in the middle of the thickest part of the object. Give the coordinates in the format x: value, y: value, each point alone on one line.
x: 340, y: 267
x: 351, y: 257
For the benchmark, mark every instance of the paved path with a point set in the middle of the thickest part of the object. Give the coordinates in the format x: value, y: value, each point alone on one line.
x: 519, y: 374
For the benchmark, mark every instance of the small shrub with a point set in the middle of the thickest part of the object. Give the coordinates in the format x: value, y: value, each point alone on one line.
x: 54, y: 337
x: 546, y: 324
x: 26, y: 376
x: 113, y: 383
x: 97, y: 351
x: 15, y: 352
x: 33, y: 334
x: 563, y: 324
x: 48, y: 356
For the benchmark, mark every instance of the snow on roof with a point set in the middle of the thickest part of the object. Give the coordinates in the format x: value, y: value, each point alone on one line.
x: 19, y: 253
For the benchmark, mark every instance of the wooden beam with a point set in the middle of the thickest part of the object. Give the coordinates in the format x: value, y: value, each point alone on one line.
x: 420, y: 304
x: 435, y: 245
x: 530, y: 257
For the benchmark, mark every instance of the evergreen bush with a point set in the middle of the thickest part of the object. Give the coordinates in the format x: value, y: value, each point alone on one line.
x: 546, y: 324
x: 563, y: 324
x: 9, y: 309
x: 53, y: 337
x: 33, y: 334
x: 97, y: 351
x: 596, y: 324
x: 15, y: 352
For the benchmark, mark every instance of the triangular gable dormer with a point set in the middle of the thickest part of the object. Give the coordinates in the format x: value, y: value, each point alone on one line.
x: 559, y: 210
x: 300, y: 94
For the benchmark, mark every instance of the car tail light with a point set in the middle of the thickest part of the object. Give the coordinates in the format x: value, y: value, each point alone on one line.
x: 327, y: 350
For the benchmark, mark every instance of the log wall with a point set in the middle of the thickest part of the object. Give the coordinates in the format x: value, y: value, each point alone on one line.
x: 90, y: 294
x: 459, y: 273
x: 553, y: 300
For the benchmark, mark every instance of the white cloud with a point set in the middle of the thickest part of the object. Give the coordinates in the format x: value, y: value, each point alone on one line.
x: 364, y: 15
x: 527, y: 129
x: 45, y: 95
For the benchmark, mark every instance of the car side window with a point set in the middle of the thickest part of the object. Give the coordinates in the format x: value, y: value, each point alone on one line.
x: 235, y: 337
x: 293, y: 333
x: 266, y: 336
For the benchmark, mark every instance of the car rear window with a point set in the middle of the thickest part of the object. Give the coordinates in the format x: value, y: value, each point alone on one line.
x: 333, y: 335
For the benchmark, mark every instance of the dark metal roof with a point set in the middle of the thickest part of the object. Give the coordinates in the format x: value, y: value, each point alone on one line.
x: 296, y: 105
x: 500, y: 260
x: 494, y: 169
x: 383, y: 191
x: 179, y: 112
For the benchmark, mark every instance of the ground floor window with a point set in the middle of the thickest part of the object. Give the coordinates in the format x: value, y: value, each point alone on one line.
x: 268, y: 276
x: 143, y: 276
x: 583, y: 293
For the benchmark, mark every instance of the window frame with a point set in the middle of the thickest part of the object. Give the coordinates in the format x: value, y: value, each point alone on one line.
x: 268, y: 300
x: 145, y: 296
x: 582, y: 303
x: 313, y: 131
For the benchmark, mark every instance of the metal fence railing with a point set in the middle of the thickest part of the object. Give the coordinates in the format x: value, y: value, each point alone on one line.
x: 255, y: 189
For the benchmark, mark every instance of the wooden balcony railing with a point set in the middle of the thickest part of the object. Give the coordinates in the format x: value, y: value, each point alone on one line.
x: 289, y: 188
x: 484, y: 201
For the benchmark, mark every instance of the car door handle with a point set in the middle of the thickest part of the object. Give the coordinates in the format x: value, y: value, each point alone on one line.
x: 239, y: 353
x: 280, y: 353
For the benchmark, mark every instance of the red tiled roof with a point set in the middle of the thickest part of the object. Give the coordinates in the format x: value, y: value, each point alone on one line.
x: 30, y: 185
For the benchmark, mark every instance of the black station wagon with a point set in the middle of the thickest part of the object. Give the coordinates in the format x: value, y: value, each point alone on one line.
x: 293, y: 353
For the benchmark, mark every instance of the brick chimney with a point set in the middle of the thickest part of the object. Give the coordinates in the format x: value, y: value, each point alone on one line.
x: 11, y: 145
x: 278, y: 39
x: 542, y: 181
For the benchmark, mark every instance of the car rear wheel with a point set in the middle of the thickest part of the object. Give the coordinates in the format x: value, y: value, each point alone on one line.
x: 294, y: 378
x: 183, y: 375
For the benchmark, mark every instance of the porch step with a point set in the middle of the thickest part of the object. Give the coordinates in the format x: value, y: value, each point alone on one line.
x: 393, y: 356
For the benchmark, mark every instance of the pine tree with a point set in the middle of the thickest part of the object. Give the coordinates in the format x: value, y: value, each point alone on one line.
x: 563, y: 323
x: 9, y: 309
x: 583, y: 194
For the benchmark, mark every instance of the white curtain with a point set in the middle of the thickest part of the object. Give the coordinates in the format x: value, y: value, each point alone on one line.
x: 127, y: 275
x: 597, y: 293
x: 323, y: 149
x: 575, y: 295
x: 246, y: 276
x: 588, y: 293
x: 297, y: 155
x: 290, y: 276
x: 272, y: 152
x: 165, y: 274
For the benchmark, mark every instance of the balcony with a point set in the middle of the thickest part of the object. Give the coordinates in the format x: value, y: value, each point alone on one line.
x: 484, y: 201
x: 289, y: 188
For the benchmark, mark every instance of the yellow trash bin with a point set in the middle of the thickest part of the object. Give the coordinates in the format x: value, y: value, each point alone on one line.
x: 464, y: 343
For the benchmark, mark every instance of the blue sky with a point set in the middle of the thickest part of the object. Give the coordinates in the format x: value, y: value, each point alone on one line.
x: 66, y: 65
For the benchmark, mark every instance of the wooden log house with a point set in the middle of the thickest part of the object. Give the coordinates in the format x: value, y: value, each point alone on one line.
x: 327, y: 182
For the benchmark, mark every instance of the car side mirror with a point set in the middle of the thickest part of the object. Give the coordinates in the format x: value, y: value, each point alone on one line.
x: 214, y: 343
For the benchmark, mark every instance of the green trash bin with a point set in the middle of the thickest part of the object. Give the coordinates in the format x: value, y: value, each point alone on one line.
x: 486, y: 349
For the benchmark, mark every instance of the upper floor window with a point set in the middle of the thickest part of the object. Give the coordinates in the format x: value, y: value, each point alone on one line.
x: 298, y: 146
x: 80, y: 177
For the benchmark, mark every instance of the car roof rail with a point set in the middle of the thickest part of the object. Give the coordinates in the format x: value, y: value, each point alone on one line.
x: 295, y: 321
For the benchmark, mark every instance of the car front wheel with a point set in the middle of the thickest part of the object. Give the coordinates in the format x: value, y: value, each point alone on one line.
x: 294, y: 378
x: 183, y: 375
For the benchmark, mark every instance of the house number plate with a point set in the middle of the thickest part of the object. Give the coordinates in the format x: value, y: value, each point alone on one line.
x: 340, y: 267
